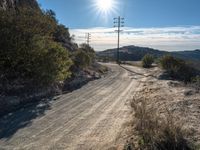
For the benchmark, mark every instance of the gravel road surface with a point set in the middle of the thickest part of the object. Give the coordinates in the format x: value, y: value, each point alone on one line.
x: 91, y: 117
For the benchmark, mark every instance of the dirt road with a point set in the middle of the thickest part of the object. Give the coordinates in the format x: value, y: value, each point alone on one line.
x: 91, y: 117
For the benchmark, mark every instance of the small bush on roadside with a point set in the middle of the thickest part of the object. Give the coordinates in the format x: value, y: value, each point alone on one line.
x: 196, y: 81
x: 177, y: 68
x: 147, y: 61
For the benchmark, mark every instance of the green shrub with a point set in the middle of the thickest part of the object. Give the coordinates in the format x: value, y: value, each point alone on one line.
x: 84, y: 56
x: 196, y: 80
x: 89, y: 50
x: 27, y: 48
x: 82, y: 59
x: 177, y: 68
x: 53, y: 63
x: 147, y: 61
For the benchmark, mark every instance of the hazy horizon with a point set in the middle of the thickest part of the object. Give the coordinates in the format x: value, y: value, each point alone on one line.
x: 171, y: 25
x: 177, y: 38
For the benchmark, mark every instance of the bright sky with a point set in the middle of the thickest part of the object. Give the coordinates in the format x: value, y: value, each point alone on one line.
x: 161, y: 24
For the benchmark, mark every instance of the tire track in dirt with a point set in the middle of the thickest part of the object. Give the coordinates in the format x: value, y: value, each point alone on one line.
x: 63, y: 107
x: 73, y: 119
x: 92, y: 115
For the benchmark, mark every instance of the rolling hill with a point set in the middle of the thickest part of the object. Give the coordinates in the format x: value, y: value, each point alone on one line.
x: 188, y: 55
x: 136, y: 53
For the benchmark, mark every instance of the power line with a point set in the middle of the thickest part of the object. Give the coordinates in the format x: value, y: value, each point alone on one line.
x: 118, y: 22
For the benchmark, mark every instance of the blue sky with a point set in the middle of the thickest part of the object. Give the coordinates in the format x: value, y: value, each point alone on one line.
x: 165, y: 17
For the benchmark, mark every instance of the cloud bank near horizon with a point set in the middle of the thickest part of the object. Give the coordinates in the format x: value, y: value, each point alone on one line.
x: 166, y: 38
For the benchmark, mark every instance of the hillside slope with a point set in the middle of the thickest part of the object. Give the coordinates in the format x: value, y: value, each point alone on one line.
x: 191, y: 55
x: 14, y: 4
x: 136, y: 53
x: 38, y: 57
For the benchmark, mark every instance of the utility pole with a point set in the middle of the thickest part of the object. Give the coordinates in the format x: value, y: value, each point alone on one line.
x: 118, y: 22
x: 88, y: 38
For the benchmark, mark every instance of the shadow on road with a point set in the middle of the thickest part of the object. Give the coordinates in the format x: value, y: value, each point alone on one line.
x: 11, y: 123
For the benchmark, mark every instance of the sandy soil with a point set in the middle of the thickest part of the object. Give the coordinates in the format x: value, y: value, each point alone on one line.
x: 182, y: 101
x: 91, y: 117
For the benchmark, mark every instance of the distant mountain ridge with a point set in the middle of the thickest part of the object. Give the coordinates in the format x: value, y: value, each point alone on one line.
x: 188, y: 55
x: 136, y: 53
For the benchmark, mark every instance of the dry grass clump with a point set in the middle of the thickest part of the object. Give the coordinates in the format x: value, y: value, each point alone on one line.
x: 156, y: 132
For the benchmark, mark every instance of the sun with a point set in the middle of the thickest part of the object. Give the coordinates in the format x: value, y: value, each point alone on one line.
x: 104, y: 8
x: 104, y: 5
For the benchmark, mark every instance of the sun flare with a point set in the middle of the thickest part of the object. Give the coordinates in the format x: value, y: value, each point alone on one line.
x: 105, y: 8
x: 104, y: 5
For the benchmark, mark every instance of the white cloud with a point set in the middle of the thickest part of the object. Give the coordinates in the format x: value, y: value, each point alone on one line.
x: 167, y: 38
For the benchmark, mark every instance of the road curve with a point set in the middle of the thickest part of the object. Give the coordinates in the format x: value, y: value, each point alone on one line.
x: 91, y: 117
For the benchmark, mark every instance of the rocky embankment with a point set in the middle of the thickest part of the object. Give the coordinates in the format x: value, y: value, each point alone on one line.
x: 16, y: 95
